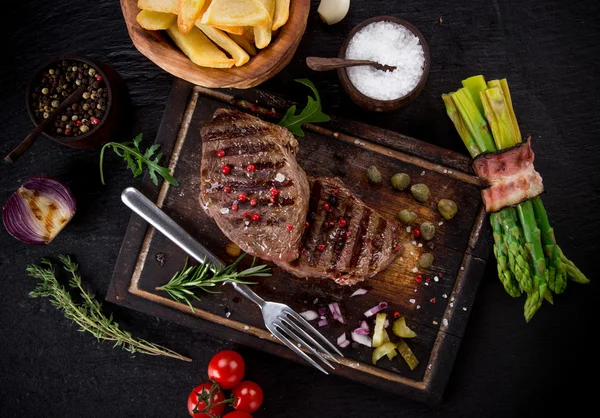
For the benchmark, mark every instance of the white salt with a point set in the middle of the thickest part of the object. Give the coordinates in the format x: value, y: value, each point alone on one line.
x: 387, y: 43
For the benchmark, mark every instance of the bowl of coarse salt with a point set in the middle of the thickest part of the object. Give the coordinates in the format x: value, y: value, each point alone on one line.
x: 390, y: 41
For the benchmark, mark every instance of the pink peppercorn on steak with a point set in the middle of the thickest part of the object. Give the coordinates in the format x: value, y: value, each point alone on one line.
x: 252, y: 185
x: 344, y: 240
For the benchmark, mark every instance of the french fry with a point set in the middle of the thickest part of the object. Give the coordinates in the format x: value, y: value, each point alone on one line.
x: 238, y: 30
x: 226, y: 43
x: 199, y: 49
x: 189, y: 11
x: 163, y: 6
x: 235, y: 13
x: 244, y: 43
x: 155, y: 20
x: 282, y: 13
x: 262, y: 33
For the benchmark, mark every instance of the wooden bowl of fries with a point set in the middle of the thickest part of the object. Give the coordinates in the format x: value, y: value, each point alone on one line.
x: 217, y: 43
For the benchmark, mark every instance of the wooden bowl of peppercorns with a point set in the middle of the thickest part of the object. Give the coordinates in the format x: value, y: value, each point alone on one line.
x: 99, y: 114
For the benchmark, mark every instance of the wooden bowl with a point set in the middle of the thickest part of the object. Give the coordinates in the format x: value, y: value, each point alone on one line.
x: 157, y: 47
x: 369, y: 103
x: 117, y: 105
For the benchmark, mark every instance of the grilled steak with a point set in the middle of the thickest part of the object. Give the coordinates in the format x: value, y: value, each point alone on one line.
x: 345, y: 240
x: 252, y: 186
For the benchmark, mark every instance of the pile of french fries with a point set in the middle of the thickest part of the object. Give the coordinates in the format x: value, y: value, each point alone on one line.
x: 216, y: 33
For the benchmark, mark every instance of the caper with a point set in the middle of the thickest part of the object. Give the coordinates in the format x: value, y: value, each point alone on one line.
x: 374, y: 175
x: 427, y: 230
x: 426, y: 260
x: 420, y: 192
x: 407, y: 217
x: 400, y: 181
x: 447, y: 208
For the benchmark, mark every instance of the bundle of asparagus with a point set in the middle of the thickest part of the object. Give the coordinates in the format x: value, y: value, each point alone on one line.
x: 529, y: 259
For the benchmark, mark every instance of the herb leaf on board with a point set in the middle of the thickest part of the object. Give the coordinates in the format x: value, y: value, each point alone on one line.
x: 312, y: 113
x: 136, y: 159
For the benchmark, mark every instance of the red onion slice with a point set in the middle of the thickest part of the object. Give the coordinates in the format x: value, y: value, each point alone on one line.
x: 38, y: 210
x: 364, y: 325
x: 359, y: 292
x: 361, y: 331
x: 345, y: 344
x: 322, y: 311
x: 379, y: 307
x: 323, y: 322
x: 361, y: 339
x: 342, y: 339
x: 309, y: 315
x: 336, y: 312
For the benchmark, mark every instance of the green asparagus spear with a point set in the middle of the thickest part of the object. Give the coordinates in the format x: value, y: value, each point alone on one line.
x: 497, y: 115
x: 460, y: 126
x: 474, y: 86
x: 572, y: 271
x: 474, y: 120
x: 518, y: 258
x: 557, y: 276
x: 500, y: 251
x: 533, y: 241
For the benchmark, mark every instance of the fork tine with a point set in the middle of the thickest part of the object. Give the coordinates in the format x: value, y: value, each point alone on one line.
x: 313, y: 330
x: 295, y: 349
x: 299, y: 340
x: 309, y: 338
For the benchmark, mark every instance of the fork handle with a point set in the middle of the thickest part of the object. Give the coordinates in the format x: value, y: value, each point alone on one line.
x: 248, y: 293
x: 152, y: 214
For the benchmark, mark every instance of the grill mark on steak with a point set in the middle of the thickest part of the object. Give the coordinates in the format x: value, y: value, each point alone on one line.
x: 359, y: 250
x: 360, y: 239
x: 234, y: 132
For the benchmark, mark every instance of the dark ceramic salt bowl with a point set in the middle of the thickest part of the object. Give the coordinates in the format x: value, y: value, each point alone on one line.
x: 116, y: 106
x: 369, y: 103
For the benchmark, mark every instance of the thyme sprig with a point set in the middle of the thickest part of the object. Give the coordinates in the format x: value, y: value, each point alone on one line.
x: 87, y: 313
x: 187, y: 281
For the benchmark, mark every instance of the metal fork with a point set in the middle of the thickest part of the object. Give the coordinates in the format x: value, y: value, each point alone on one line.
x: 283, y: 322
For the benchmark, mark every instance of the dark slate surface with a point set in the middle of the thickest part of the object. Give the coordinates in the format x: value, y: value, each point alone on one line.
x: 549, y: 52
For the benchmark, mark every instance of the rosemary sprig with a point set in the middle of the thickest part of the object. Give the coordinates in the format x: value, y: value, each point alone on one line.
x: 185, y: 282
x: 88, y: 313
x: 136, y: 159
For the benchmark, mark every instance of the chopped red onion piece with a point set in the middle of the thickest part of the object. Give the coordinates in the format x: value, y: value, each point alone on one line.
x: 54, y: 206
x: 361, y: 339
x: 359, y: 292
x: 309, y: 315
x: 361, y: 331
x: 342, y: 339
x: 323, y: 322
x: 380, y: 306
x: 364, y: 325
x: 336, y: 312
x: 322, y: 311
x: 345, y: 344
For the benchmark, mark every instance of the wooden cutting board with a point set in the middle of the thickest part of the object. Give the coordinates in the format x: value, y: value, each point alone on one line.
x: 436, y: 308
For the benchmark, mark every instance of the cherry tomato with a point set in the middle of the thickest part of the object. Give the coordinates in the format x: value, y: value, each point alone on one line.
x: 227, y: 369
x: 199, y: 397
x: 238, y: 414
x: 248, y: 397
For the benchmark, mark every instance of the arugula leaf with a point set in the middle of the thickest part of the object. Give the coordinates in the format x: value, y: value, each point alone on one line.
x: 310, y: 114
x: 135, y: 159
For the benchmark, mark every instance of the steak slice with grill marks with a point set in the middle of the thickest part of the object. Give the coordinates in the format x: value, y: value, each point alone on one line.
x: 345, y: 240
x: 252, y: 186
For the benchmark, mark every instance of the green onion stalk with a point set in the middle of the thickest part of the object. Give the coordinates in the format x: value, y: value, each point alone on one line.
x: 529, y: 259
